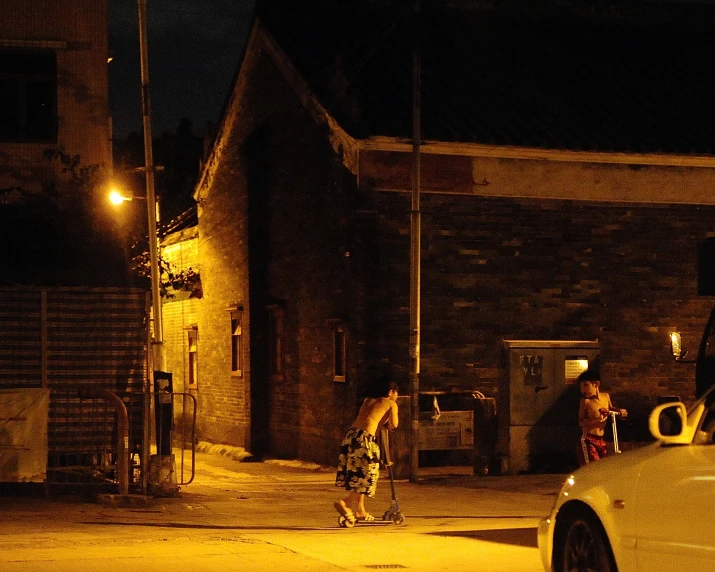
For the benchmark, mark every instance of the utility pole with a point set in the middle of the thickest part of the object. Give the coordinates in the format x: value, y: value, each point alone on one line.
x: 161, y: 380
x: 151, y: 204
x: 415, y: 239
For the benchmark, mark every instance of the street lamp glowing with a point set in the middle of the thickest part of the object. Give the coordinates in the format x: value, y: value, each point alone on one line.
x: 117, y: 198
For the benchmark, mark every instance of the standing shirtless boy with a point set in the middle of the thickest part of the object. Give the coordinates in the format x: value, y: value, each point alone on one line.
x: 593, y: 412
x: 359, y: 460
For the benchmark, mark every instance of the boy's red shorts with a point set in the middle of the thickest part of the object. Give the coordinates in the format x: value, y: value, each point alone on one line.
x: 592, y: 448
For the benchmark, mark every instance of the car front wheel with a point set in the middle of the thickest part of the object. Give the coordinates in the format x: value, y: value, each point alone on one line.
x: 581, y: 545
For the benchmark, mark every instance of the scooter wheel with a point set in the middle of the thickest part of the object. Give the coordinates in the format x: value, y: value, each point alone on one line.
x: 345, y: 523
x: 398, y: 518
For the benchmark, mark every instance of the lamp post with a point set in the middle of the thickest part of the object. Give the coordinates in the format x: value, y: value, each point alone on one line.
x: 159, y: 380
x: 415, y: 256
x: 163, y: 403
x: 158, y: 349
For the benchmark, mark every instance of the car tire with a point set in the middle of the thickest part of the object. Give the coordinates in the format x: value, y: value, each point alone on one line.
x: 581, y: 544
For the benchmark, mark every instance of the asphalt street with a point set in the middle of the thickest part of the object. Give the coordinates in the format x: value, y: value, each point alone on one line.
x: 273, y: 515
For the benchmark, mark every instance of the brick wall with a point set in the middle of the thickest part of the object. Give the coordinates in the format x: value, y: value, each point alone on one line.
x: 179, y: 311
x: 495, y: 269
x: 275, y: 191
x: 313, y: 274
x: 224, y: 404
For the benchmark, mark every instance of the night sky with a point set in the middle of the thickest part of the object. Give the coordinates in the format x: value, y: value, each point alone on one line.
x: 195, y: 47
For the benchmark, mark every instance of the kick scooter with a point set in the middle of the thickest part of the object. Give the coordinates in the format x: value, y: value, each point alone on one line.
x: 392, y: 514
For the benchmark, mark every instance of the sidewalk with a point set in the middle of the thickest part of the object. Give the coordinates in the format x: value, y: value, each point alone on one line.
x: 292, y: 493
x: 258, y: 516
x: 279, y: 493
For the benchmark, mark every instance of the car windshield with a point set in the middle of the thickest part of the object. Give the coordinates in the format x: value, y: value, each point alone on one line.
x: 705, y: 434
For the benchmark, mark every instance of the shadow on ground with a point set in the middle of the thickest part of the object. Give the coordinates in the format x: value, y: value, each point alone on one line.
x: 514, y: 536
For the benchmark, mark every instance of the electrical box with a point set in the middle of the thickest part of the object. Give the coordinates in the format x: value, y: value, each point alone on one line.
x: 539, y: 397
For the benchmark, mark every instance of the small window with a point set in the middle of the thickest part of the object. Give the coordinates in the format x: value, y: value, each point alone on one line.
x: 276, y: 340
x: 193, y: 346
x: 28, y: 85
x: 339, y: 351
x: 237, y: 342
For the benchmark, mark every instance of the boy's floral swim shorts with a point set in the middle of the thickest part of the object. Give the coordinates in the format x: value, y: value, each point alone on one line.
x: 358, y: 463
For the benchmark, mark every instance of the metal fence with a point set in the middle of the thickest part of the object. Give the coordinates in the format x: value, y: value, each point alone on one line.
x: 81, y: 343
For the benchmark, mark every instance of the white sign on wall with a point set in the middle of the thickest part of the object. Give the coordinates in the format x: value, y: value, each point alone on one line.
x: 23, y: 435
x: 452, y: 430
x: 574, y: 366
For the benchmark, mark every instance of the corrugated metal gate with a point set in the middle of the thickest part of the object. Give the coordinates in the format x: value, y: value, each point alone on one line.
x: 79, y: 343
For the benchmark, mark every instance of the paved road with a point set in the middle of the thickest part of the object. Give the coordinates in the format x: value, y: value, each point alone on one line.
x: 268, y: 516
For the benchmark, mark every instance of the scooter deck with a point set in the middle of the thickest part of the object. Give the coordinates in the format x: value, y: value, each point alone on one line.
x: 375, y: 522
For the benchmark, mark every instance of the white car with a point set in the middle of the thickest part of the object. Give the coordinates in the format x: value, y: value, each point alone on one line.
x: 648, y: 510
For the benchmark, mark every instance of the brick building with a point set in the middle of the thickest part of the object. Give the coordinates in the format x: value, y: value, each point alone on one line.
x: 566, y: 176
x: 54, y: 73
x: 74, y: 324
x: 55, y: 144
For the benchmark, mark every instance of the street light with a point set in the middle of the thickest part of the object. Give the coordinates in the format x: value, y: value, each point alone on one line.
x: 116, y: 197
x: 158, y: 349
x: 156, y: 369
x: 160, y: 380
x: 152, y: 210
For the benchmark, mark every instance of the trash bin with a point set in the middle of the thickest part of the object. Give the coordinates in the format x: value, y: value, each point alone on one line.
x: 163, y: 411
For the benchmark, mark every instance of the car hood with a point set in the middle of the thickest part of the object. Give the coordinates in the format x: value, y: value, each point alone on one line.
x: 616, y: 476
x: 618, y: 465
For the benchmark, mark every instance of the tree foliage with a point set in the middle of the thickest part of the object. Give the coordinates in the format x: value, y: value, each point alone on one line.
x: 171, y: 279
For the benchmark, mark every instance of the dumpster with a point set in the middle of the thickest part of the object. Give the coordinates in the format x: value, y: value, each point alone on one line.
x: 457, y: 434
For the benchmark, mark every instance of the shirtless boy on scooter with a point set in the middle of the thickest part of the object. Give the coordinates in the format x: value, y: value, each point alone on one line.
x: 359, y: 460
x: 593, y: 412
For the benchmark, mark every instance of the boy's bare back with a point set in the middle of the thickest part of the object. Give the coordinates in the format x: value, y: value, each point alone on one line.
x: 374, y: 412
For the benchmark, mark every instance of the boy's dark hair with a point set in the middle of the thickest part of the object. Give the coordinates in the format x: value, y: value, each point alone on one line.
x: 589, y: 375
x: 381, y: 386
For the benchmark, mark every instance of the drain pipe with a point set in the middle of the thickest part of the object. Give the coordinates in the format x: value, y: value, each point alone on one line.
x: 122, y: 436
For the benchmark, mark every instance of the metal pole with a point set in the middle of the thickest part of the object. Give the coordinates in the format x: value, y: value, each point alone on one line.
x: 415, y: 235
x: 151, y: 206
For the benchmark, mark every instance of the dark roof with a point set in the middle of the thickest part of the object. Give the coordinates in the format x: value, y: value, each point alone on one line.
x: 556, y: 79
x: 187, y: 219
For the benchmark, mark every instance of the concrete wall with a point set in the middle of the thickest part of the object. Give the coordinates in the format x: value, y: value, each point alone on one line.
x: 542, y: 174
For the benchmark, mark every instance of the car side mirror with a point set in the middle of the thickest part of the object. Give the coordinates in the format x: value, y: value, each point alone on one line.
x: 669, y: 423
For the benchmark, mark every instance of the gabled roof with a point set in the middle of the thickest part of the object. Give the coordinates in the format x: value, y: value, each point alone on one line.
x: 550, y: 79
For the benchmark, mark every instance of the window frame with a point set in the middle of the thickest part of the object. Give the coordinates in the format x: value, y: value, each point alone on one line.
x: 340, y: 336
x: 237, y: 343
x: 192, y: 381
x: 276, y: 344
x: 21, y: 85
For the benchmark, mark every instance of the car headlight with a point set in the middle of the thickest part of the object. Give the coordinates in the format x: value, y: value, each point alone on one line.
x: 569, y: 482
